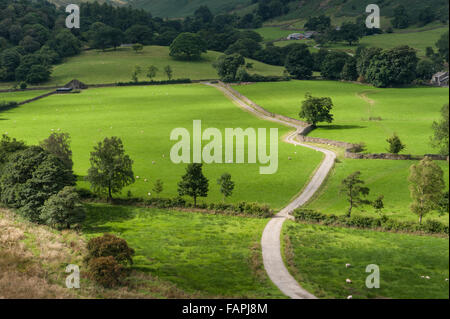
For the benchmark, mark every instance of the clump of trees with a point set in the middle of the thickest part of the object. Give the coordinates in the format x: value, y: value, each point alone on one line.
x: 38, y: 183
x: 188, y: 46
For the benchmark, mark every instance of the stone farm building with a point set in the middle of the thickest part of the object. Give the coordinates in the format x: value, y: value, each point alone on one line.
x: 440, y: 79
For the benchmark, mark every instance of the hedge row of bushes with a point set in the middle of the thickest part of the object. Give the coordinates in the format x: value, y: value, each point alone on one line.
x: 242, y: 208
x: 175, y: 81
x: 268, y: 78
x: 383, y: 223
x: 5, y: 105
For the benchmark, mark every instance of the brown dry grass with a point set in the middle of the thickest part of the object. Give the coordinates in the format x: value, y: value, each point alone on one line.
x: 33, y: 260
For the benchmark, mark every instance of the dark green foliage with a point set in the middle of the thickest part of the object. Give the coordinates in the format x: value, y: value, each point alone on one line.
x: 378, y: 204
x: 320, y: 23
x: 187, y: 46
x: 58, y: 144
x: 383, y: 223
x: 444, y: 204
x: 141, y: 34
x: 30, y: 177
x: 333, y: 65
x: 316, y: 109
x: 392, y: 67
x: 158, y: 187
x: 440, y: 138
x: 350, y: 32
x: 110, y: 245
x: 9, y: 146
x: 395, y: 144
x: 442, y: 45
x: 401, y: 18
x: 349, y: 71
x: 169, y: 72
x: 111, y: 169
x: 352, y: 187
x: 193, y: 183
x: 63, y: 210
x: 426, y: 69
x: 228, y: 65
x: 226, y: 185
x: 106, y: 271
x: 300, y: 63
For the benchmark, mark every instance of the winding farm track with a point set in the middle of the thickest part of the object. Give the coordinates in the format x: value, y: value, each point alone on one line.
x: 271, y: 238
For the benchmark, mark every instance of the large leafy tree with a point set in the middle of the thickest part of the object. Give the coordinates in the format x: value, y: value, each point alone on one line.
x: 442, y: 45
x: 440, y: 138
x: 333, y: 64
x: 355, y: 191
x: 193, y: 183
x: 300, y: 62
x: 187, y: 46
x: 316, y: 109
x: 350, y: 32
x: 111, y: 169
x: 426, y: 186
x: 396, y: 66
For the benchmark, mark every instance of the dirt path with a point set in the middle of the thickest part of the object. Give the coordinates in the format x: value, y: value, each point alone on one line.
x: 271, y: 238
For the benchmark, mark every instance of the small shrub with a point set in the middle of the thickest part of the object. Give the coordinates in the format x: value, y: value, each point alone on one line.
x: 23, y: 85
x: 359, y: 148
x: 110, y: 245
x: 106, y: 271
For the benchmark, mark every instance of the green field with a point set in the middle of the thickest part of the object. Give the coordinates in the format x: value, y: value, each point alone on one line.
x: 20, y: 96
x: 383, y: 177
x: 94, y: 67
x: 274, y: 33
x: 317, y: 256
x: 144, y: 118
x: 418, y: 40
x: 211, y: 254
x: 409, y: 112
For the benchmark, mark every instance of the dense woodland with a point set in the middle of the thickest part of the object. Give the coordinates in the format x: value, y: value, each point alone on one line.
x: 33, y: 38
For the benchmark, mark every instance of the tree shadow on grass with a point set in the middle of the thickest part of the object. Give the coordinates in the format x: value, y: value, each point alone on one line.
x: 340, y: 127
x: 97, y: 216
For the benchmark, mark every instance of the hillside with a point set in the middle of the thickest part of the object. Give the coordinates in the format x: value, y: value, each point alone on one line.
x: 297, y: 9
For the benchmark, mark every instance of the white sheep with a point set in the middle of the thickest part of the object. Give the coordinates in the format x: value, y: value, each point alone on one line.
x: 348, y: 265
x: 350, y: 297
x: 348, y: 281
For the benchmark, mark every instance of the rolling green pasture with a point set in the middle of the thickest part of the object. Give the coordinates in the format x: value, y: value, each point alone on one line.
x: 409, y: 112
x: 317, y: 256
x: 94, y: 67
x: 383, y: 177
x: 211, y: 254
x: 419, y: 40
x: 20, y: 96
x: 274, y: 33
x: 143, y: 117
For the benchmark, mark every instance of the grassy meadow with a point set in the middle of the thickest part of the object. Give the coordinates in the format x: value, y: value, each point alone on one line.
x: 144, y: 117
x: 317, y: 257
x: 383, y: 177
x: 409, y: 112
x: 94, y: 67
x: 417, y: 39
x: 211, y: 254
x: 20, y: 96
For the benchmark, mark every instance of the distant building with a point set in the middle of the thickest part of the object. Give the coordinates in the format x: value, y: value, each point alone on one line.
x: 440, y: 79
x: 296, y: 36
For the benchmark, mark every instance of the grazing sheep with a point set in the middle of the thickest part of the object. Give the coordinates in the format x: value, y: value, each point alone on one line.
x: 145, y: 180
x: 348, y: 265
x: 348, y: 281
x: 427, y: 277
x: 153, y: 162
x: 137, y: 177
x: 350, y: 297
x: 149, y: 194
